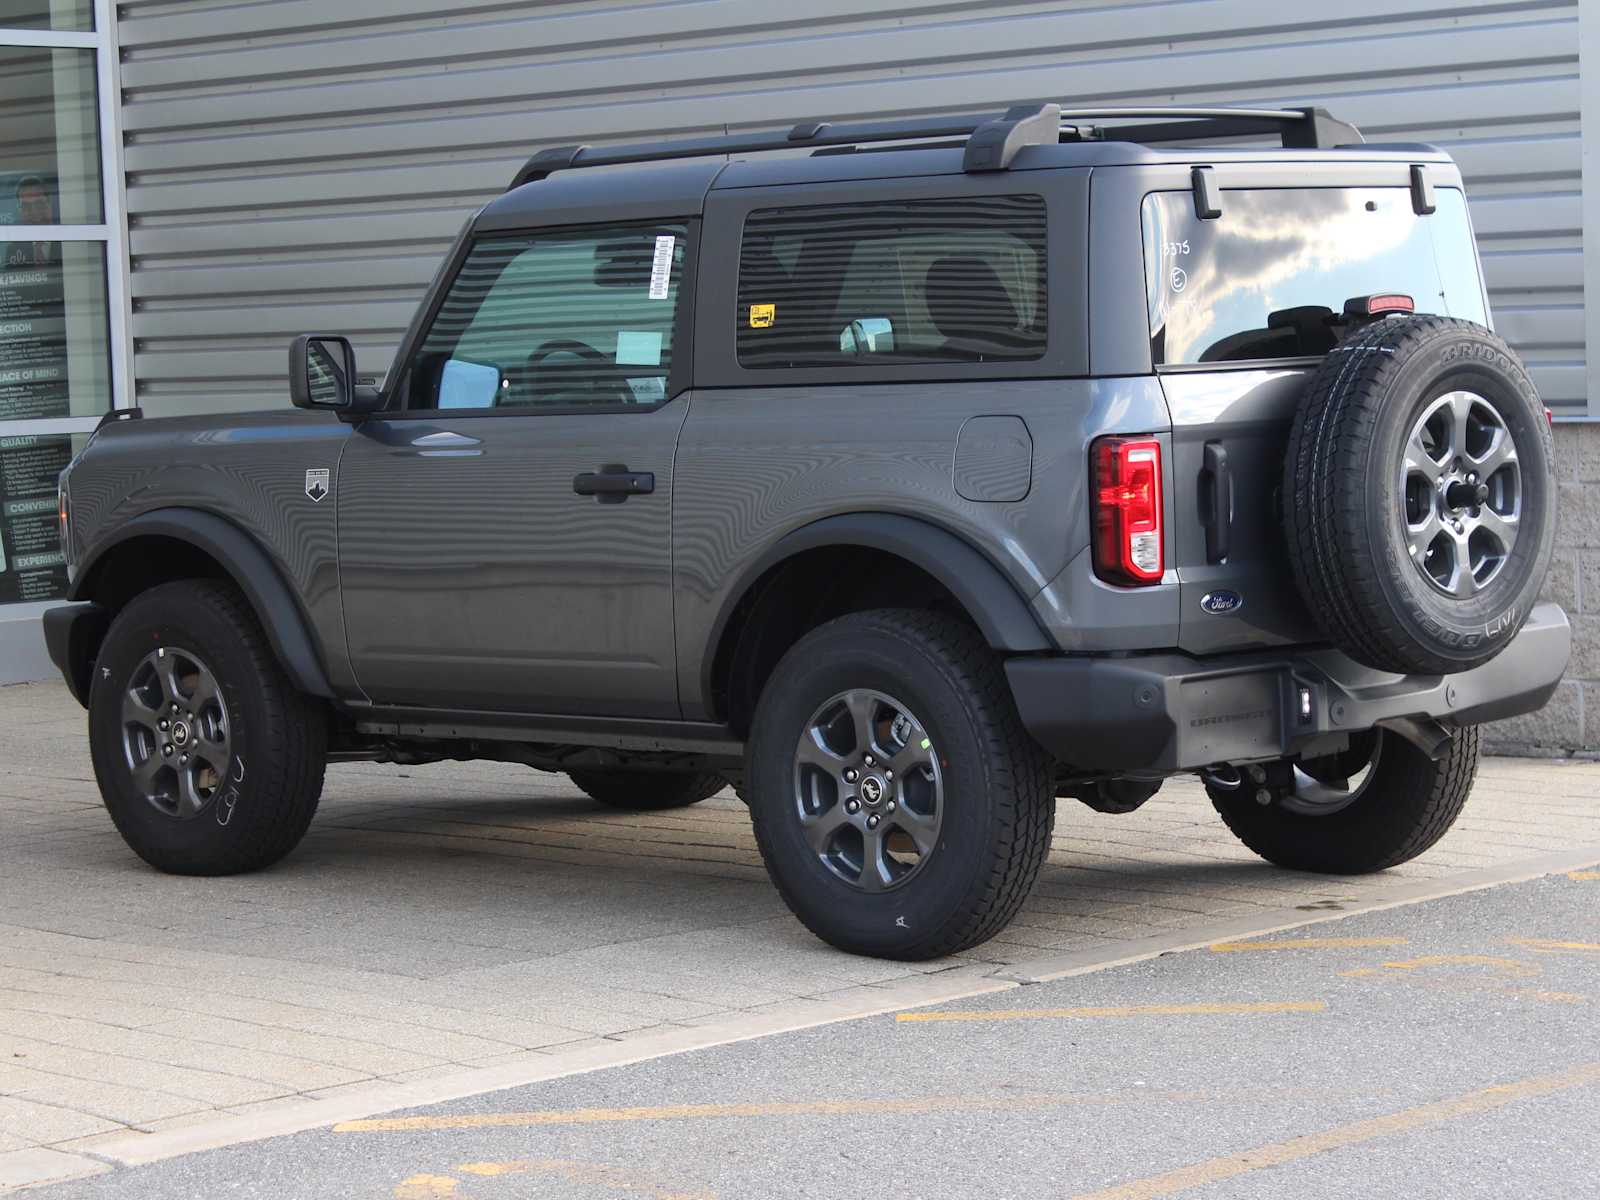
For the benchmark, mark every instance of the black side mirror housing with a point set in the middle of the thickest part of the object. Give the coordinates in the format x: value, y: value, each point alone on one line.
x: 322, y: 374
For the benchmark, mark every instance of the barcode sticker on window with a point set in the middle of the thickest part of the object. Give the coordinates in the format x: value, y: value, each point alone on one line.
x: 661, y: 268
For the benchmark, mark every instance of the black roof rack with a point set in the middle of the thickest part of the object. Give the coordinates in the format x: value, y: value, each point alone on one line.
x: 992, y: 141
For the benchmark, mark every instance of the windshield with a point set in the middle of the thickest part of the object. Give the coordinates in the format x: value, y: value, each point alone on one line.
x: 1270, y: 277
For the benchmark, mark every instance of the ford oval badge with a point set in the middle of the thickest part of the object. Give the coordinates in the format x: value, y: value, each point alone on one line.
x: 1222, y: 602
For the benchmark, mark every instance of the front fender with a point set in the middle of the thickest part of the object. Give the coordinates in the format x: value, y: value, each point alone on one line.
x: 249, y: 566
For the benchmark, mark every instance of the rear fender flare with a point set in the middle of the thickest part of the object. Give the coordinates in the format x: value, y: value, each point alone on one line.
x: 993, y: 602
x: 247, y: 564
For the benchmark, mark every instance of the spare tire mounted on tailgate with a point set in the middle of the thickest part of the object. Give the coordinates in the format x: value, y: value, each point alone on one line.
x: 1419, y: 501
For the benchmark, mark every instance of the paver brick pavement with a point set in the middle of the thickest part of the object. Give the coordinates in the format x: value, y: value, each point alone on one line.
x: 453, y: 916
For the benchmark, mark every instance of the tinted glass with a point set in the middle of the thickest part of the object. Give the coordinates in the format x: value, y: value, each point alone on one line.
x: 71, y: 15
x: 920, y: 281
x: 1270, y: 277
x: 49, y: 138
x: 54, y: 349
x: 32, y: 566
x: 556, y: 320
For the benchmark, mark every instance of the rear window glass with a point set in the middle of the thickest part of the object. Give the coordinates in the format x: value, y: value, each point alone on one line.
x: 1270, y: 277
x: 959, y: 280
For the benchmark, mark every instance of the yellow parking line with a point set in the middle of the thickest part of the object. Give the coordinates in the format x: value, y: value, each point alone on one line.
x: 1583, y: 875
x: 1277, y: 1153
x: 1550, y: 944
x: 1509, y: 966
x: 682, y: 1112
x: 1131, y: 1010
x: 885, y: 1105
x: 427, y: 1187
x: 1305, y: 944
x: 615, y: 1179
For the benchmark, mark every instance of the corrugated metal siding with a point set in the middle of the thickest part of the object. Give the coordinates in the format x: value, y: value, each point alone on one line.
x: 300, y: 164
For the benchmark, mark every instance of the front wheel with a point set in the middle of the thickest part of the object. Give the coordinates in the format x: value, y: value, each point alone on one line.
x: 208, y: 760
x: 1378, y: 805
x: 900, y: 807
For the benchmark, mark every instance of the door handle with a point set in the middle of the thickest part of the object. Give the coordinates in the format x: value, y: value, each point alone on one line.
x: 443, y: 439
x: 614, y: 483
x: 1217, y: 502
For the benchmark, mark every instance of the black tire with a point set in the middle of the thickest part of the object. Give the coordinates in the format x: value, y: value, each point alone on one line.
x: 1346, y: 497
x: 259, y: 808
x: 1407, y: 804
x: 647, y: 791
x: 997, y: 804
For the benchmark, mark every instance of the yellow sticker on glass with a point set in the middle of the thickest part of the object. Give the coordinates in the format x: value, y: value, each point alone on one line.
x: 762, y: 315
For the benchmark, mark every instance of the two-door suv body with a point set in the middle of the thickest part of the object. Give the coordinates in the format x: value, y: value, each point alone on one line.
x: 906, y: 476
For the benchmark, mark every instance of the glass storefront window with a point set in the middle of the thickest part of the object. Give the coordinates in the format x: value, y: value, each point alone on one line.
x: 63, y: 16
x: 49, y: 138
x: 62, y: 290
x: 54, y: 351
x: 32, y: 566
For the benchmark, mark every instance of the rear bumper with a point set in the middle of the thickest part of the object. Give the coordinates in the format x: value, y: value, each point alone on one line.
x: 72, y: 635
x: 1160, y: 713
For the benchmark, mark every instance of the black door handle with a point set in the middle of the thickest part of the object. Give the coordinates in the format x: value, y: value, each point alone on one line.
x: 614, y: 483
x: 1217, y: 502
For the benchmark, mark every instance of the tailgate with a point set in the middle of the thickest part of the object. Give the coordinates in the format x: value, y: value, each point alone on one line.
x: 1229, y: 429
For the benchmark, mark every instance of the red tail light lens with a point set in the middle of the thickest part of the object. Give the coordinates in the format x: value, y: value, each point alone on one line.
x: 1127, y: 511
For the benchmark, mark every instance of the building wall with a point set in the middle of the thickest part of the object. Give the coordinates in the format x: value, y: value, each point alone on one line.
x: 299, y: 164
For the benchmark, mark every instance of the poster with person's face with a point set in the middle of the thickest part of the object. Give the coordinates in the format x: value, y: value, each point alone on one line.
x: 33, y: 336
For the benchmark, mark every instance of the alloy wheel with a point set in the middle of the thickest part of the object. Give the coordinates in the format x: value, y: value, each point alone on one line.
x: 1461, y: 485
x: 869, y: 793
x: 176, y: 737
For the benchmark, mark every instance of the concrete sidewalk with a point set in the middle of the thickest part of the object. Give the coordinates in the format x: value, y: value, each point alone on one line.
x: 462, y: 916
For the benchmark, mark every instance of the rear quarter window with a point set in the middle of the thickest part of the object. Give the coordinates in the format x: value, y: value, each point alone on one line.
x: 958, y: 280
x: 1270, y: 277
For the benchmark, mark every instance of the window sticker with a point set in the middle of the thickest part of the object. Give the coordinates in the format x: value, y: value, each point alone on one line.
x: 648, y: 389
x: 661, y: 267
x: 763, y: 315
x: 638, y: 348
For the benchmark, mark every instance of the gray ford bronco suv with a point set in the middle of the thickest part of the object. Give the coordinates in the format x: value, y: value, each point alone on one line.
x: 905, y: 476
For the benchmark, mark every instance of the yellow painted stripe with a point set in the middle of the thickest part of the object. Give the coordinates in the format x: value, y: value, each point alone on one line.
x: 682, y: 1112
x: 1131, y: 1010
x: 1583, y: 875
x: 427, y: 1187
x: 1277, y: 1153
x: 1552, y: 944
x: 883, y: 1105
x: 1306, y: 944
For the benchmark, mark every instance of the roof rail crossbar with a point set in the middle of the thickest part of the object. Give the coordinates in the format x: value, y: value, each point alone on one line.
x: 1297, y: 128
x: 992, y: 142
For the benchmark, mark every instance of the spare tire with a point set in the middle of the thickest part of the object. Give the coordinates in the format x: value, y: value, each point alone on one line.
x: 1419, y: 499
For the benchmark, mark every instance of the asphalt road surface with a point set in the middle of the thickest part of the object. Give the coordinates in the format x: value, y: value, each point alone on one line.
x: 1446, y: 1049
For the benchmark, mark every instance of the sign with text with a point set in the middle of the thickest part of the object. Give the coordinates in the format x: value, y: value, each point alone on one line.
x: 33, y: 343
x: 32, y: 566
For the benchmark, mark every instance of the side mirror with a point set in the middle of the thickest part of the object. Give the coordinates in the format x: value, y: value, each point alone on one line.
x: 322, y: 374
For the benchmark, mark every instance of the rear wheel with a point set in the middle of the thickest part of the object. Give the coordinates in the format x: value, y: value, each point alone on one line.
x: 208, y: 760
x: 647, y: 791
x: 1380, y: 804
x: 900, y: 807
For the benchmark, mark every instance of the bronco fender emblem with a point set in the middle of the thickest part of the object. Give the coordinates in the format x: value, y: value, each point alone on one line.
x: 1221, y: 602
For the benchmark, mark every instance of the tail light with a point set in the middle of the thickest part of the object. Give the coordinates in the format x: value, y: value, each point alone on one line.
x: 1127, y: 510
